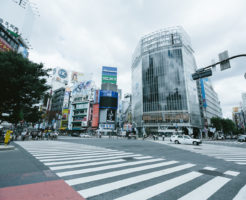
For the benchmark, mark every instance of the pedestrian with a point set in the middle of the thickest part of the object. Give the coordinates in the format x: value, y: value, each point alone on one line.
x: 163, y: 137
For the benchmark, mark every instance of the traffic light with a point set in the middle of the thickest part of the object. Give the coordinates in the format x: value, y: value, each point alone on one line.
x: 202, y: 74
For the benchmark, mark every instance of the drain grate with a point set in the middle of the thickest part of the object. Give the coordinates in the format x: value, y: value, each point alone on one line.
x: 211, y: 173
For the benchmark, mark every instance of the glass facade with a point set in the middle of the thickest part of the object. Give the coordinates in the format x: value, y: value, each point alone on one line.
x: 163, y: 92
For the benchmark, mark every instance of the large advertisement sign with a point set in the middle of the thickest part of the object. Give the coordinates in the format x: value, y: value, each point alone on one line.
x: 23, y: 18
x: 4, y: 46
x: 77, y: 77
x: 66, y: 98
x: 109, y: 75
x: 95, y: 115
x: 110, y: 115
x: 108, y: 99
x: 84, y: 89
x: 203, y: 93
x: 60, y: 75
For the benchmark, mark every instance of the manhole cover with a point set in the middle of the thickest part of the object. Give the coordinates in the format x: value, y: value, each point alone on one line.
x: 128, y: 158
x: 211, y: 173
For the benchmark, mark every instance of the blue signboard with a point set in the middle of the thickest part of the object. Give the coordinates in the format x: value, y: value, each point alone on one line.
x: 203, y: 94
x: 109, y: 73
x: 109, y: 69
x: 108, y: 93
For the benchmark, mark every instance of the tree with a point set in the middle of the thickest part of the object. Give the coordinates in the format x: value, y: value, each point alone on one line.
x: 225, y: 125
x: 216, y: 122
x: 228, y: 125
x: 23, y: 84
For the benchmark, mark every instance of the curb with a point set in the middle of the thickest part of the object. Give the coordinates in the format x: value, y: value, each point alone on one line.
x: 6, y: 148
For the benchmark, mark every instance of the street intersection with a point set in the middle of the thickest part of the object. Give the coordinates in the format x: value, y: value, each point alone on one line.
x: 136, y: 169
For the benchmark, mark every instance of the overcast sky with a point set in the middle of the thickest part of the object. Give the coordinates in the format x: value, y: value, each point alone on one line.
x: 84, y: 35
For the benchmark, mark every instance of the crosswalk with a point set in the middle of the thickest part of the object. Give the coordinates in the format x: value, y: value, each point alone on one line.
x: 100, y: 173
x: 227, y: 153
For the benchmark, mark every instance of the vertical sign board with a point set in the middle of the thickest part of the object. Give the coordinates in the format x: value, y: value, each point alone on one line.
x: 109, y: 75
x: 95, y: 115
x: 203, y: 93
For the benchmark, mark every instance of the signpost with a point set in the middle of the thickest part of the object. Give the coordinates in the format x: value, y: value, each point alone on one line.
x: 225, y: 63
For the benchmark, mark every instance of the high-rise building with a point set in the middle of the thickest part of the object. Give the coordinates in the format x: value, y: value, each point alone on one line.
x: 163, y: 92
x: 244, y: 101
x: 209, y: 101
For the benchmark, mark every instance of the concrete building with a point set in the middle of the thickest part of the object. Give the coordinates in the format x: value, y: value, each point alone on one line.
x: 238, y: 117
x: 163, y: 92
x: 55, y: 113
x: 209, y: 101
x: 244, y: 101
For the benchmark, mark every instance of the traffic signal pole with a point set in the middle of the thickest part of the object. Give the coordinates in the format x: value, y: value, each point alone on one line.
x: 206, y: 71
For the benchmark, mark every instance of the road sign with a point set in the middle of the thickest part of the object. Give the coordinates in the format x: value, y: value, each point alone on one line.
x: 202, y: 74
x: 225, y: 64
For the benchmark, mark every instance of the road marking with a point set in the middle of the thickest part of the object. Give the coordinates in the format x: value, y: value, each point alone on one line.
x: 236, y: 160
x: 206, y: 190
x: 241, y: 195
x: 116, y: 173
x: 88, y: 160
x: 93, y: 191
x: 95, y: 169
x: 231, y: 173
x: 157, y: 189
x: 94, y: 163
x: 85, y: 164
x: 83, y: 157
x: 67, y: 153
x: 209, y: 168
x: 241, y: 163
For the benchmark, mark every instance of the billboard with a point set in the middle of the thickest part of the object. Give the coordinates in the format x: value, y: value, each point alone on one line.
x: 84, y: 89
x: 66, y: 98
x: 204, y: 102
x: 77, y: 77
x: 21, y: 22
x: 95, y: 115
x: 4, y: 46
x: 96, y: 96
x: 108, y: 99
x: 109, y: 75
x: 60, y: 75
x: 110, y: 115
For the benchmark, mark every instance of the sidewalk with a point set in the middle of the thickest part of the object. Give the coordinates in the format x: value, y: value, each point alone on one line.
x: 5, y: 148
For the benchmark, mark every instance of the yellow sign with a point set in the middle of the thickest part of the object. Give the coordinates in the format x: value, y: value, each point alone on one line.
x: 7, y: 136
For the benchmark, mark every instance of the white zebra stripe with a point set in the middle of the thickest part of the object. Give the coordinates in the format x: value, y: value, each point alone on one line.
x: 157, y: 189
x: 206, y: 190
x: 95, y: 169
x: 77, y: 181
x: 93, y: 191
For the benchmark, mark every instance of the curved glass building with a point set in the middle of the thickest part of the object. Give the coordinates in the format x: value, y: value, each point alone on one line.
x: 163, y: 92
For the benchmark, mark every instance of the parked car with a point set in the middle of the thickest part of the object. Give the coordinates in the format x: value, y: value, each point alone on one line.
x: 75, y: 134
x: 228, y: 137
x: 85, y: 136
x: 242, y: 138
x: 185, y: 139
x: 220, y: 137
x: 234, y: 137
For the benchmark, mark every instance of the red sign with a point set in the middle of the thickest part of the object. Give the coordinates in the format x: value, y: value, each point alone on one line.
x: 4, y: 46
x: 95, y: 115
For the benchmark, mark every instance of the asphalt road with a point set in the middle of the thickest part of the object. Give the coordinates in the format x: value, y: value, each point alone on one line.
x: 129, y: 169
